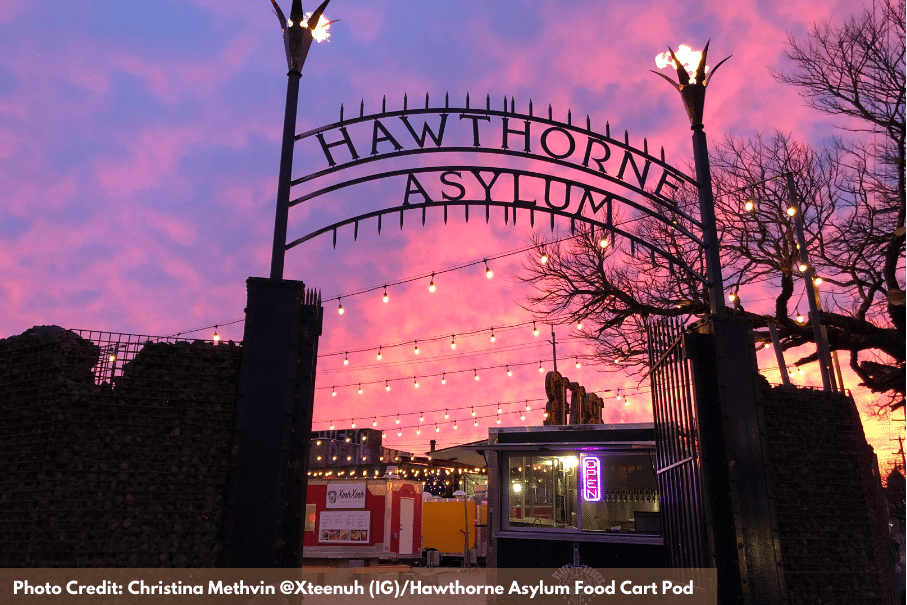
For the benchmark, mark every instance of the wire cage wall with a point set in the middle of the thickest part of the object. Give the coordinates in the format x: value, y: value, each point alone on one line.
x: 115, y: 448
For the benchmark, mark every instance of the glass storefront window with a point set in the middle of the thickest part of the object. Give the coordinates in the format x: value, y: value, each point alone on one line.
x: 603, y: 491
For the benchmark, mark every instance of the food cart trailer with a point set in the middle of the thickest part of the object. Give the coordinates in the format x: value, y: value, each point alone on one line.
x: 362, y: 522
x: 574, y: 495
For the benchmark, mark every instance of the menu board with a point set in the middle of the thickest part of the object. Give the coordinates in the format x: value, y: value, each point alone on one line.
x: 344, y: 527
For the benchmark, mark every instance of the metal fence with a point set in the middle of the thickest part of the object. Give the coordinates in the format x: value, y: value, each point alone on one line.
x: 677, y: 436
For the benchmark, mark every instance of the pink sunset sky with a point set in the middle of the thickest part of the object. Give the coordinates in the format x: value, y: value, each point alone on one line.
x: 139, y: 150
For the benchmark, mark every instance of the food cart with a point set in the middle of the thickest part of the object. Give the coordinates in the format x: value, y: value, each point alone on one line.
x: 574, y: 495
x: 362, y: 522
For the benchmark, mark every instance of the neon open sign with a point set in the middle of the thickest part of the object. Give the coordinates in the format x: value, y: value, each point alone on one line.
x: 592, y: 479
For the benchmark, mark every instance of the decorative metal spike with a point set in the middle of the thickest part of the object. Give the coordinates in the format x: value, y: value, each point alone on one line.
x: 652, y: 256
x: 426, y: 100
x: 505, y: 103
x: 569, y: 117
x: 355, y: 231
x: 506, y: 215
x: 588, y: 123
x: 532, y: 217
x: 361, y: 108
x: 488, y: 102
x: 633, y: 247
x: 552, y: 222
x: 466, y: 212
x: 379, y: 224
x: 530, y: 107
x: 446, y: 100
x: 341, y: 112
x: 487, y: 213
x: 608, y: 129
x: 511, y: 104
x: 662, y: 154
x: 549, y: 111
x: 404, y: 101
x: 467, y: 100
x: 423, y: 216
x: 572, y: 226
x: 335, y: 238
x: 445, y: 214
x: 401, y: 220
x: 514, y: 216
x: 645, y: 145
x: 626, y: 138
x: 384, y: 104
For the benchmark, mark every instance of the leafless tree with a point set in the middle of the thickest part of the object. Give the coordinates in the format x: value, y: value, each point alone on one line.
x: 852, y: 200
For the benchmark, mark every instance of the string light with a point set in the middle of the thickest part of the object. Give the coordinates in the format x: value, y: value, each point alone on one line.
x: 522, y: 416
x: 577, y: 362
x: 541, y: 369
x: 431, y: 285
x: 437, y: 428
x: 544, y: 259
x: 800, y: 318
x: 619, y: 396
x: 374, y: 423
x: 346, y: 359
x: 398, y: 420
x: 455, y: 425
x: 527, y: 405
x: 749, y: 205
x: 492, y: 334
x: 421, y: 417
x: 417, y: 348
x: 453, y: 342
x: 399, y: 433
x: 535, y: 330
x: 340, y: 306
x: 379, y: 353
x: 360, y: 389
x: 216, y: 335
x: 387, y: 386
x: 444, y: 378
x: 791, y: 211
x: 332, y: 428
x: 603, y: 242
x: 475, y: 374
x: 333, y: 391
x: 475, y: 423
x: 353, y: 424
x: 385, y: 298
x: 509, y: 371
x: 732, y: 297
x: 473, y: 411
x: 416, y: 384
x: 446, y: 415
x: 579, y: 325
x: 817, y: 281
x: 488, y: 273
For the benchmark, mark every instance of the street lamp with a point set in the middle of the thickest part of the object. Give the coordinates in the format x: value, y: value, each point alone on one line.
x: 297, y: 39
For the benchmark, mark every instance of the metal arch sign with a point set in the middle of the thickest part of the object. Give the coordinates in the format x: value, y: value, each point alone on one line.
x: 607, y: 174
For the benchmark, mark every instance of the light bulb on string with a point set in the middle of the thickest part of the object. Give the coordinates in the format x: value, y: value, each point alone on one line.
x: 732, y: 296
x: 378, y: 357
x: 578, y: 365
x: 374, y: 423
x: 431, y: 285
x: 791, y: 211
x: 492, y: 334
x: 473, y: 411
x: 437, y: 429
x: 446, y: 415
x: 535, y: 330
x: 453, y: 342
x: 333, y: 391
x: 541, y: 369
x: 475, y: 422
x: 346, y: 359
x: 444, y: 378
x: 817, y: 281
x: 527, y: 405
x: 800, y: 371
x: 800, y: 318
x: 340, y: 306
x: 522, y: 416
x: 488, y: 273
x: 802, y: 267
x: 579, y: 325
x: 603, y: 242
x: 749, y: 205
x: 619, y: 396
x: 475, y: 374
x: 416, y: 350
x: 387, y: 386
x: 421, y: 417
x: 399, y: 433
x: 216, y: 336
x: 360, y: 388
x: 353, y: 425
x: 419, y: 430
x: 385, y: 298
x: 544, y: 259
x: 499, y: 410
x: 398, y: 420
x: 416, y: 383
x: 455, y: 425
x: 509, y: 371
x: 499, y: 420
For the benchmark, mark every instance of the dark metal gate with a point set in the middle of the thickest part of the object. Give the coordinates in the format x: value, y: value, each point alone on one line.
x: 678, y: 453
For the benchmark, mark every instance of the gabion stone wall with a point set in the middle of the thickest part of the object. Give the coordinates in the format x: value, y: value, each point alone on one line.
x: 129, y: 474
x: 832, y: 521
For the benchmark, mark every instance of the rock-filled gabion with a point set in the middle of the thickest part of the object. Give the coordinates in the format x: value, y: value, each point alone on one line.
x: 827, y: 495
x: 131, y: 474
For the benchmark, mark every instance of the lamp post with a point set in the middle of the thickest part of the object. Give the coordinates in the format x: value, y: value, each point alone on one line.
x: 692, y: 91
x: 297, y: 39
